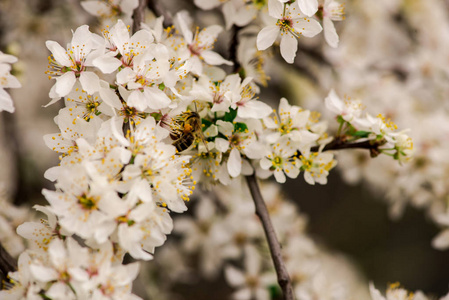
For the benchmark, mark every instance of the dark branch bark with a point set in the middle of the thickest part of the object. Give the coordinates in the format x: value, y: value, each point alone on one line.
x: 7, y: 264
x: 139, y: 15
x: 273, y: 243
x: 233, y: 48
x: 19, y: 195
x: 338, y: 144
x: 159, y: 10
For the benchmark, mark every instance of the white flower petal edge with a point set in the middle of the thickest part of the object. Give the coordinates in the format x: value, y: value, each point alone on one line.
x: 330, y: 33
x: 267, y: 36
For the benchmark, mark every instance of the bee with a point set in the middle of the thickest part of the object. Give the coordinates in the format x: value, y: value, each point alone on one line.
x: 186, y: 128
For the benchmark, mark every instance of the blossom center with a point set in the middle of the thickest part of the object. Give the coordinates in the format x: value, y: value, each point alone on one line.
x: 286, y: 127
x: 285, y: 24
x: 252, y: 281
x: 277, y: 162
x: 88, y: 202
x: 218, y: 98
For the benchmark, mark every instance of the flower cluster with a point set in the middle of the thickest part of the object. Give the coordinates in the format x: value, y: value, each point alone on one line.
x: 356, y: 127
x: 7, y: 81
x: 11, y: 217
x: 68, y: 271
x: 149, y: 115
x: 409, y: 87
x: 110, y: 9
x: 395, y: 292
x: 290, y: 23
x: 288, y: 19
x: 292, y: 134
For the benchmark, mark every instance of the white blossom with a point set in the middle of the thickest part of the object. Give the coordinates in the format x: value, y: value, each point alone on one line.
x: 7, y: 81
x: 66, y: 66
x: 199, y: 45
x: 291, y: 24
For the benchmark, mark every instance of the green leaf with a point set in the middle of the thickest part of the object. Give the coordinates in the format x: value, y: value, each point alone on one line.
x: 240, y: 127
x: 162, y: 86
x: 221, y: 135
x: 275, y: 291
x: 340, y: 119
x: 157, y: 116
x: 206, y: 123
x: 361, y: 133
x: 230, y: 116
x: 242, y: 73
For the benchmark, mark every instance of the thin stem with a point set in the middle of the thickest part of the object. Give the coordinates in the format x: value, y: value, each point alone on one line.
x: 159, y: 10
x: 139, y: 15
x: 273, y: 243
x: 340, y: 128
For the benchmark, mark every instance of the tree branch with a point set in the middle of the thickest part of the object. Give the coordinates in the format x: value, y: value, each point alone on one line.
x: 339, y: 144
x: 159, y: 10
x: 7, y: 264
x: 233, y: 48
x: 273, y: 243
x: 139, y: 15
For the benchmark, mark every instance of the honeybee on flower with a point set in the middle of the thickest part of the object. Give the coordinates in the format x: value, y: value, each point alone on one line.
x: 185, y: 130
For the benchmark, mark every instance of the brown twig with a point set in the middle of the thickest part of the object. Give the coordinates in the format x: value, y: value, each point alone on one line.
x: 261, y: 208
x: 139, y: 15
x: 339, y: 144
x: 233, y: 48
x: 159, y: 10
x: 7, y: 264
x: 273, y: 243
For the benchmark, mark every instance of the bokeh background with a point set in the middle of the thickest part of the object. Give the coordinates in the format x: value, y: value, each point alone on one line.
x: 386, y: 58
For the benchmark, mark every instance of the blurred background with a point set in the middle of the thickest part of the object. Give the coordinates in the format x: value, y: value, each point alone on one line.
x: 392, y: 56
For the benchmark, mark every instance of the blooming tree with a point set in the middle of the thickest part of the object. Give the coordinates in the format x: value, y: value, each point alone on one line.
x: 151, y: 113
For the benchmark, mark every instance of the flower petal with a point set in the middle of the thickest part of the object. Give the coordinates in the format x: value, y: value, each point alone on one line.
x: 215, y: 59
x: 65, y: 83
x: 186, y: 32
x: 330, y: 34
x: 289, y: 45
x: 254, y: 109
x: 234, y: 163
x: 59, y: 53
x: 279, y: 176
x: 155, y: 98
x: 234, y: 276
x: 441, y: 241
x: 267, y: 36
x: 90, y: 82
x: 308, y: 7
x: 106, y: 63
x: 307, y: 27
x: 275, y: 9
